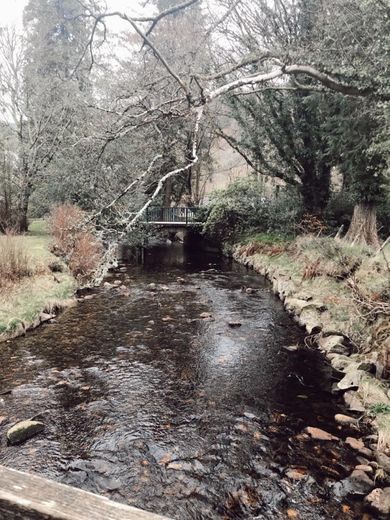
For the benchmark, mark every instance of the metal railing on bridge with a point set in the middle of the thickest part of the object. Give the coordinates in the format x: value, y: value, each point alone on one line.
x: 177, y: 216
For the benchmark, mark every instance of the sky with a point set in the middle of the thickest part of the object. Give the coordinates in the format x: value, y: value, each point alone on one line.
x: 12, y: 12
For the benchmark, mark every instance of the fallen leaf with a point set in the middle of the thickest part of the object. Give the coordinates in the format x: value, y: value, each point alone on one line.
x: 291, y: 513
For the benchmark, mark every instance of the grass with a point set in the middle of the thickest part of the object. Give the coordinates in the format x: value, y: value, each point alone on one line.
x: 21, y: 302
x: 323, y: 267
x: 265, y: 238
x: 380, y: 408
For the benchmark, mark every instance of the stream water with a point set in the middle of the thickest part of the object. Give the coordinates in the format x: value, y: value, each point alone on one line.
x: 148, y: 403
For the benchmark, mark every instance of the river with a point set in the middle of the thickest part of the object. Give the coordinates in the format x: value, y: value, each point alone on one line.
x: 149, y: 403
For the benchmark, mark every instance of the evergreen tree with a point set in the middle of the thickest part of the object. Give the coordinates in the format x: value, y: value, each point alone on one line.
x: 54, y: 85
x: 283, y: 132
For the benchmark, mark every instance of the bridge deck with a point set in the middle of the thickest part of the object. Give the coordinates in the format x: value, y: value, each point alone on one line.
x: 173, y: 224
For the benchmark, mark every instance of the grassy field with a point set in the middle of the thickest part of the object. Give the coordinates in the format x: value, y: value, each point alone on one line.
x: 22, y: 301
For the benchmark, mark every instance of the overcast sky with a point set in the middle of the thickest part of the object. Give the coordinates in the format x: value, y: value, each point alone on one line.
x: 12, y: 12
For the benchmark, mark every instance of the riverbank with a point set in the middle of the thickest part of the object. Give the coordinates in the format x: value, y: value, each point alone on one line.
x: 169, y: 372
x: 339, y: 294
x: 34, y: 298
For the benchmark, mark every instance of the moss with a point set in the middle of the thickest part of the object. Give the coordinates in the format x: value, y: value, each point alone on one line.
x: 380, y: 408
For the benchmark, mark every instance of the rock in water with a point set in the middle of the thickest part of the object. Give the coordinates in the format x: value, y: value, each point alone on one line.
x: 250, y: 290
x: 358, y: 483
x: 234, y: 324
x: 24, y: 430
x: 291, y: 348
x: 355, y: 444
x: 320, y: 435
x: 383, y: 460
x: 379, y: 500
x: 345, y: 419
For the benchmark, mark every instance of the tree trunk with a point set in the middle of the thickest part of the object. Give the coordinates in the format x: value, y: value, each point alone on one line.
x: 363, y: 228
x: 315, y: 187
x: 22, y: 220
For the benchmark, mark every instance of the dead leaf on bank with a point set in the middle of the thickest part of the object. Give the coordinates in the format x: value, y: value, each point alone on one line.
x: 291, y: 513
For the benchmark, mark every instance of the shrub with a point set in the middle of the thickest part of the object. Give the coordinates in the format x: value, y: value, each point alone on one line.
x: 243, y: 206
x: 86, y: 255
x: 56, y: 267
x: 14, y: 261
x: 65, y: 221
x: 311, y: 224
x: 74, y: 241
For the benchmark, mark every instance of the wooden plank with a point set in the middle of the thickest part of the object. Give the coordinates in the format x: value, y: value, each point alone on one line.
x: 29, y: 497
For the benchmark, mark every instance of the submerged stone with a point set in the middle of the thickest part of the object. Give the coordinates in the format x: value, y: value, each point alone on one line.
x: 234, y: 324
x: 295, y: 474
x: 320, y: 435
x: 358, y: 483
x: 23, y: 431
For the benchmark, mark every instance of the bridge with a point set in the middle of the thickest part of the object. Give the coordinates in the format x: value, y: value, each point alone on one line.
x: 178, y: 217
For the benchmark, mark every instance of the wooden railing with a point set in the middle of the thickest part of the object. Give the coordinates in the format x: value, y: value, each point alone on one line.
x: 178, y: 215
x: 29, y: 497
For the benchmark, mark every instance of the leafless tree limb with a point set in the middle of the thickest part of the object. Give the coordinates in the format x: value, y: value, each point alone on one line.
x: 193, y: 160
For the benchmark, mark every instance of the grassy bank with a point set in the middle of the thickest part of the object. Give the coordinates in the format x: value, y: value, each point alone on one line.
x: 37, y: 289
x: 350, y: 284
x: 341, y: 294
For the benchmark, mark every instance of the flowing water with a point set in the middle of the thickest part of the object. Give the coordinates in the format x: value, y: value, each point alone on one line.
x: 150, y: 404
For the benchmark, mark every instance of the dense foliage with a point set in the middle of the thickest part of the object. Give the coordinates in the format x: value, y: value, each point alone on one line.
x: 243, y: 206
x: 115, y: 121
